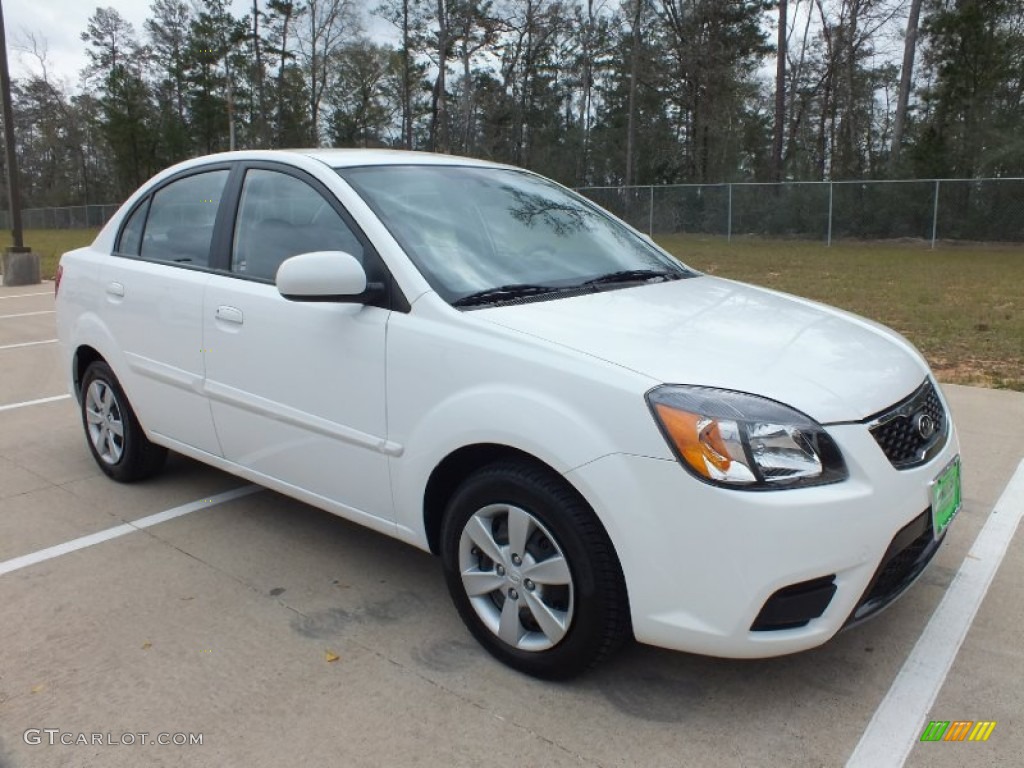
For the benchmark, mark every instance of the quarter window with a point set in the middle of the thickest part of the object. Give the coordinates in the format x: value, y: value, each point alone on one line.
x: 131, y: 235
x: 281, y: 216
x: 181, y: 218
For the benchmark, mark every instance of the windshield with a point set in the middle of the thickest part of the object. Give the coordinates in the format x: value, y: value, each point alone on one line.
x: 471, y: 230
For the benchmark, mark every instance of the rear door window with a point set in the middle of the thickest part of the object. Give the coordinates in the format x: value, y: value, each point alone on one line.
x: 182, y: 214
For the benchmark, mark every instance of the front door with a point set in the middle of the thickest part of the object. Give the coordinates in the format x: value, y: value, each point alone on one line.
x: 297, y: 389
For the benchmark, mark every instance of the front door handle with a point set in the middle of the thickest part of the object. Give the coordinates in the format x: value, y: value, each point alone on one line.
x: 115, y: 289
x: 230, y: 315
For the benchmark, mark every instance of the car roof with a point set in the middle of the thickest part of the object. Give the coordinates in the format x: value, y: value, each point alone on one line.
x: 347, y: 158
x: 337, y: 158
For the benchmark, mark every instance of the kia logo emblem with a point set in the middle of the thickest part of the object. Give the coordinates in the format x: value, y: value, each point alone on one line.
x: 925, y: 425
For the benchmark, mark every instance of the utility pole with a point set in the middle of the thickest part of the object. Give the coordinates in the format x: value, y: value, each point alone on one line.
x: 13, y: 190
x: 20, y: 265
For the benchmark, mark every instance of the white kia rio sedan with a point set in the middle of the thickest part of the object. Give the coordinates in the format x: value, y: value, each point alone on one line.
x: 599, y: 442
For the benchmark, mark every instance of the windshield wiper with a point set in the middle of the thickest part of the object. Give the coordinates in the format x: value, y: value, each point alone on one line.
x: 633, y: 276
x: 519, y: 290
x: 503, y: 293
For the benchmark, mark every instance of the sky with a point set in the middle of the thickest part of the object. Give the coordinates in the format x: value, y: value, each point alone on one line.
x: 60, y: 23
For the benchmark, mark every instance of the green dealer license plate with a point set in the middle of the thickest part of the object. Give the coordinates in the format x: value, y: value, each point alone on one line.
x: 946, y: 497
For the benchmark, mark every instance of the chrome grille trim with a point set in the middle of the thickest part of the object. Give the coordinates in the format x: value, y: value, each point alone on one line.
x: 896, y: 435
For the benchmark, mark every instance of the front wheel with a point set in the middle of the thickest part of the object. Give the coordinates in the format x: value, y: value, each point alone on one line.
x: 115, y: 437
x: 532, y: 571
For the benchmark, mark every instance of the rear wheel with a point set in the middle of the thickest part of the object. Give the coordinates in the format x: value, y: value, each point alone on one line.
x: 116, y: 440
x: 532, y: 571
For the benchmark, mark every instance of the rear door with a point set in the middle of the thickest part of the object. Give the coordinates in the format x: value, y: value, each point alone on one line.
x: 154, y: 288
x: 297, y: 388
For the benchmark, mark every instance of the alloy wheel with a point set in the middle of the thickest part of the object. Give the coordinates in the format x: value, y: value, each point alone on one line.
x: 516, y: 577
x: 104, y: 421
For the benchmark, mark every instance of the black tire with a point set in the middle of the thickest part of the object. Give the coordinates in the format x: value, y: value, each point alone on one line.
x: 598, y: 611
x: 130, y: 456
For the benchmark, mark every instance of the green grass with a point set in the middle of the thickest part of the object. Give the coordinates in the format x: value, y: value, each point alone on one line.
x: 51, y: 243
x: 961, y: 305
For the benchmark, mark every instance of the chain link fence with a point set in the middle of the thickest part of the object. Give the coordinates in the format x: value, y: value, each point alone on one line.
x: 982, y: 210
x: 67, y: 217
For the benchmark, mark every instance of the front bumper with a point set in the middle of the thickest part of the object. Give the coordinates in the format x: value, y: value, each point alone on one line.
x: 701, y: 562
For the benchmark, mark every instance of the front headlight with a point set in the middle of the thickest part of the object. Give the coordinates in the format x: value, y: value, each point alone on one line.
x: 745, y: 441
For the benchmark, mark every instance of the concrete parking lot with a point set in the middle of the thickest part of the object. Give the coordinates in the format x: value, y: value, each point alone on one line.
x: 285, y: 636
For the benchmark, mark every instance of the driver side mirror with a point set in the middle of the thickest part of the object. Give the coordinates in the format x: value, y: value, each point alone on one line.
x: 326, y: 276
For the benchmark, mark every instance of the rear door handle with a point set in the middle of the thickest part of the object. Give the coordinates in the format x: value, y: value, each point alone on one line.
x: 115, y: 289
x: 230, y: 315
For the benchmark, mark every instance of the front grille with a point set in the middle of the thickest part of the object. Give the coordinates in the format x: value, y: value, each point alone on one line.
x: 907, y: 556
x: 902, y: 431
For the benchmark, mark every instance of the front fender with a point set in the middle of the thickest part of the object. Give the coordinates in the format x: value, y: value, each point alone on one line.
x: 529, y: 421
x: 456, y: 380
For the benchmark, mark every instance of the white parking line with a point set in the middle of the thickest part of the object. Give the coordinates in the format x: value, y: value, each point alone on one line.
x: 26, y: 295
x: 28, y: 344
x: 49, y: 553
x: 900, y: 718
x: 27, y: 403
x: 29, y: 314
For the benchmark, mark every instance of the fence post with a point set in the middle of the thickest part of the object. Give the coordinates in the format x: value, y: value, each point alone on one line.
x: 935, y: 214
x: 728, y: 231
x: 650, y: 215
x: 829, y: 242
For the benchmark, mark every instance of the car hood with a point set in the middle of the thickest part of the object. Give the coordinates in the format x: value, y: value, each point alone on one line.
x: 708, y: 331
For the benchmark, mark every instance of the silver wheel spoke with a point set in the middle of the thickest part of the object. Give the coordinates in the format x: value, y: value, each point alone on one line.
x: 480, y: 534
x: 554, y: 570
x: 551, y: 622
x: 108, y: 400
x: 111, y: 448
x: 92, y: 400
x: 509, y: 628
x: 520, y: 526
x: 92, y: 416
x: 117, y: 428
x: 479, y: 582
